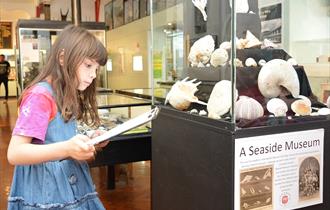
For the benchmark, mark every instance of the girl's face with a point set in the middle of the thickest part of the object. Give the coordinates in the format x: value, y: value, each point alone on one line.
x: 87, y: 73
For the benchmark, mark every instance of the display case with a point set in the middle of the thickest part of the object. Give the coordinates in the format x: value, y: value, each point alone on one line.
x: 35, y: 38
x: 249, y: 128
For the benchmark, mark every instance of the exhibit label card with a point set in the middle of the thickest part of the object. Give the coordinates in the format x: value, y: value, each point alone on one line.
x: 279, y: 171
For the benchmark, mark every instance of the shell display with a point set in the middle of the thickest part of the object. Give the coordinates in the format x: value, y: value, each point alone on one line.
x: 248, y: 108
x: 182, y: 93
x: 220, y: 100
x: 219, y: 57
x: 301, y: 107
x: 201, y: 50
x: 250, y: 62
x: 201, y: 4
x: 252, y: 41
x: 276, y: 75
x: 277, y: 107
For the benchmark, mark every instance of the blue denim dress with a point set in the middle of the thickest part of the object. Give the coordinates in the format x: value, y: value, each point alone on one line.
x: 61, y: 185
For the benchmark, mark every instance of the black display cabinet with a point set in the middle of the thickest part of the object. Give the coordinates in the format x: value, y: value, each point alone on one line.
x: 193, y: 159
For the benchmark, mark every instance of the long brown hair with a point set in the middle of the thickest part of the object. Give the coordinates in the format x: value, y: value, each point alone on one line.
x: 77, y: 44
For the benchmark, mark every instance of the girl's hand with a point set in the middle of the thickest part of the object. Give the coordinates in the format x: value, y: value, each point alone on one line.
x: 99, y: 146
x: 79, y: 149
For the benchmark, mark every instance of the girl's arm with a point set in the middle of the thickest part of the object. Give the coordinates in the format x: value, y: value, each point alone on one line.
x: 22, y: 152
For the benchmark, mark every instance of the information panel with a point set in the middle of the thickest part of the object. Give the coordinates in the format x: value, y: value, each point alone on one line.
x: 279, y: 171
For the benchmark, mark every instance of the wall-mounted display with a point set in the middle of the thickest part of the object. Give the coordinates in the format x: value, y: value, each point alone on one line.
x: 6, y: 35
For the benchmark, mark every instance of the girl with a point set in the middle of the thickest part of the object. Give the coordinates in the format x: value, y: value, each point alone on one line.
x: 51, y: 171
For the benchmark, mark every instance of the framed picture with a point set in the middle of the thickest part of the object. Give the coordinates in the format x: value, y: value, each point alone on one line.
x: 128, y: 13
x: 118, y: 13
x: 136, y: 9
x: 143, y: 8
x: 108, y: 15
x: 6, y: 35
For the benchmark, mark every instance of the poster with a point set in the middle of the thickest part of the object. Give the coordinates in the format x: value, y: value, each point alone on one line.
x: 280, y: 171
x: 271, y: 22
x: 6, y: 35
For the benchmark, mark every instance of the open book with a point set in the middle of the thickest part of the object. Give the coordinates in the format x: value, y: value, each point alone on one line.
x: 126, y: 126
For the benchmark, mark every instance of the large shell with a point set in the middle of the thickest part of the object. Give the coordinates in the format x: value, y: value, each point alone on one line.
x: 275, y: 75
x: 248, y: 108
x: 219, y: 57
x: 201, y: 4
x: 201, y: 50
x: 220, y: 99
x: 277, y: 107
x: 301, y: 107
x: 182, y: 94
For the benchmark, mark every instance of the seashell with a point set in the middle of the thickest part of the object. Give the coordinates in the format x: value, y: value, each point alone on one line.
x: 207, y: 65
x: 308, y: 101
x: 200, y: 65
x: 201, y: 4
x: 219, y: 57
x: 292, y: 61
x: 248, y: 108
x: 201, y: 50
x: 301, y: 107
x: 241, y: 43
x: 220, y: 99
x: 262, y: 62
x: 250, y: 62
x: 202, y: 113
x: 252, y: 41
x: 182, y: 93
x: 276, y: 75
x: 269, y: 44
x: 238, y: 62
x: 323, y: 111
x: 277, y: 107
x: 193, y: 111
x: 225, y: 45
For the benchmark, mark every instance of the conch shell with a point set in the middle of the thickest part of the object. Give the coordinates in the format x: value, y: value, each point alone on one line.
x: 248, y: 108
x: 201, y: 50
x: 201, y: 4
x: 276, y: 75
x: 182, y: 93
x: 220, y: 100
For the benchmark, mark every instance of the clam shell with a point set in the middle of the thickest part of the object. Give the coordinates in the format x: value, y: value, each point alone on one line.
x: 275, y: 75
x: 182, y: 93
x: 277, y: 107
x: 250, y: 62
x: 220, y: 99
x: 262, y: 62
x: 252, y: 41
x: 248, y: 108
x: 219, y: 57
x: 301, y: 107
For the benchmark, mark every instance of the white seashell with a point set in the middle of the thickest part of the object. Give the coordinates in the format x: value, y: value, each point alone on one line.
x: 275, y: 75
x: 277, y: 107
x: 250, y: 62
x: 202, y: 113
x: 238, y: 62
x: 201, y: 4
x: 220, y: 99
x: 308, y: 101
x: 269, y: 44
x: 219, y: 57
x: 193, y: 111
x: 301, y: 107
x: 323, y: 111
x: 200, y: 65
x: 262, y: 62
x: 241, y: 43
x: 248, y: 108
x: 241, y: 6
x: 207, y: 65
x: 201, y: 50
x: 182, y: 93
x: 225, y: 45
x: 252, y: 41
x: 292, y: 62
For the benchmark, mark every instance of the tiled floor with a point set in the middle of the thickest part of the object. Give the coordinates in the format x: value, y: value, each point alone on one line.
x: 130, y: 194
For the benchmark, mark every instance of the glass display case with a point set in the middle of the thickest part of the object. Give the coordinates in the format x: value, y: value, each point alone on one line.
x: 35, y: 38
x: 250, y: 125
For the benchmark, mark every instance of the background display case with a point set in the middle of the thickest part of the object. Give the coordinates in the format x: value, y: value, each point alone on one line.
x: 247, y: 145
x: 35, y: 38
